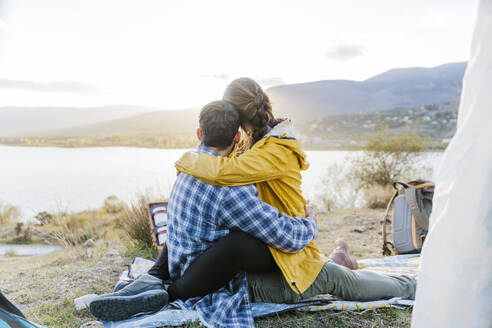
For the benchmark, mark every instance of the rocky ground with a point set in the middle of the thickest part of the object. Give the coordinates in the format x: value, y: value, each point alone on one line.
x: 44, y: 286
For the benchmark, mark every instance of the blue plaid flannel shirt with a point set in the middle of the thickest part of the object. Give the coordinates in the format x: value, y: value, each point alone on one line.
x: 200, y: 214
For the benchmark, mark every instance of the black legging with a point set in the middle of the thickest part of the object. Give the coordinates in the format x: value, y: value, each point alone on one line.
x: 234, y: 253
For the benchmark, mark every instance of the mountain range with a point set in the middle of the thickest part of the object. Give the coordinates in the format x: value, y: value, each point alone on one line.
x: 400, y: 87
x: 396, y: 88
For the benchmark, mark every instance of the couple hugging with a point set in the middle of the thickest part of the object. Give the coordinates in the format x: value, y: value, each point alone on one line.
x: 239, y: 230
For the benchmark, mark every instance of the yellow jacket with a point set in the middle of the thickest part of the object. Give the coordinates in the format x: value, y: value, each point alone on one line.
x: 274, y: 164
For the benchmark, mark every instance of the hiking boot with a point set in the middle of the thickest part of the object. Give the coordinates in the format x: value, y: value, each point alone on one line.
x: 341, y: 256
x: 142, y: 284
x: 120, y: 285
x: 146, y: 294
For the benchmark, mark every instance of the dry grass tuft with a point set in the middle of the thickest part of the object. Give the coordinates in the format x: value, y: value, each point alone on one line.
x: 134, y: 221
x: 378, y: 196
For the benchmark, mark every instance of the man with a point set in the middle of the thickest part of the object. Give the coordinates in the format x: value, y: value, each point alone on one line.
x: 199, y: 215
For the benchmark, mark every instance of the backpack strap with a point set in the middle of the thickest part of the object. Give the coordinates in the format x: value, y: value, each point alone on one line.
x: 386, y: 243
x: 413, y: 204
x: 395, y: 185
x: 422, y: 185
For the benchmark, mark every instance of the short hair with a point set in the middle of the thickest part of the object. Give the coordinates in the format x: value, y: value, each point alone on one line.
x: 219, y: 123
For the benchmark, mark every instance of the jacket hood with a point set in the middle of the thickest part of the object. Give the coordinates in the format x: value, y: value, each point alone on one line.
x: 284, y: 134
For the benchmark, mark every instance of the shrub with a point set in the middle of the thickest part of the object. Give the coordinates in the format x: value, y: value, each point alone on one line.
x: 386, y: 158
x: 328, y: 204
x: 18, y: 228
x: 113, y: 205
x: 8, y: 213
x: 134, y: 221
x: 335, y: 190
x: 377, y: 196
x: 44, y: 218
x: 366, y: 179
x: 75, y: 229
x: 10, y: 253
x: 24, y: 237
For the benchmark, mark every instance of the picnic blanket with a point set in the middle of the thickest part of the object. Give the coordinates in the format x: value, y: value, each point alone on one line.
x: 172, y: 316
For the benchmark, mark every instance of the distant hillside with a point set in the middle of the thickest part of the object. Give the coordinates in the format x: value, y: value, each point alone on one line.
x: 400, y: 87
x: 338, y: 131
x: 396, y: 88
x: 19, y: 121
x: 159, y: 122
x: 434, y: 121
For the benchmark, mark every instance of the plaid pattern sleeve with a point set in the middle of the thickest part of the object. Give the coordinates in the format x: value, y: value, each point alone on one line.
x: 241, y: 209
x: 199, y: 215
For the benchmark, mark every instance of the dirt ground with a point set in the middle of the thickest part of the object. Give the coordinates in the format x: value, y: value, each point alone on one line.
x: 44, y: 286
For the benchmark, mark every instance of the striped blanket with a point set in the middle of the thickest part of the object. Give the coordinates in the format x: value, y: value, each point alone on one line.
x: 169, y: 316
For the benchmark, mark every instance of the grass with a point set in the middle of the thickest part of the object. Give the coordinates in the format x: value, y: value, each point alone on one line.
x: 345, y: 319
x: 10, y: 253
x: 44, y: 286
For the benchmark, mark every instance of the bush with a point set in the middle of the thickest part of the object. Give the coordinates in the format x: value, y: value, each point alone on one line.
x: 387, y: 158
x: 113, y: 205
x: 335, y: 190
x: 10, y: 253
x: 367, y: 179
x: 8, y: 213
x: 18, y: 228
x: 44, y: 218
x: 24, y: 237
x: 71, y: 230
x: 134, y: 221
x: 378, y: 196
x: 75, y: 229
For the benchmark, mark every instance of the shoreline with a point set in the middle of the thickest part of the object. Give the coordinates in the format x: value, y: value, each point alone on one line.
x: 307, y: 148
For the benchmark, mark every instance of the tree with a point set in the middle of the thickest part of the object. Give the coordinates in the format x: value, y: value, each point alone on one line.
x: 44, y: 218
x: 113, y: 205
x: 8, y: 213
x: 18, y: 228
x: 386, y: 158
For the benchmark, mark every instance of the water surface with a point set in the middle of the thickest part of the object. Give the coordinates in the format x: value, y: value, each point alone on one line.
x: 28, y: 249
x: 74, y: 179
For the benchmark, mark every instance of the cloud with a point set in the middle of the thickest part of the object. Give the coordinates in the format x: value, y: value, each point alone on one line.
x: 345, y: 52
x: 216, y: 76
x: 2, y: 23
x: 52, y: 86
x: 270, y: 82
x: 266, y: 82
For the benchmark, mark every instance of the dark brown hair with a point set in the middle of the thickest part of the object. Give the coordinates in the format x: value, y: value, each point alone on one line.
x: 219, y: 123
x: 254, y: 107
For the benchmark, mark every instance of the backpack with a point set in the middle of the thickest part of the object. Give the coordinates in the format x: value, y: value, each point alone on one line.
x: 412, y: 206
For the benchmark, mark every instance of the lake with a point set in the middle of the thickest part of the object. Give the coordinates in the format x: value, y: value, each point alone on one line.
x: 28, y: 249
x: 74, y: 179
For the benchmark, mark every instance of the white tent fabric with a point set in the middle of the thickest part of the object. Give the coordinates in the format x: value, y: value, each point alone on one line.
x: 455, y: 283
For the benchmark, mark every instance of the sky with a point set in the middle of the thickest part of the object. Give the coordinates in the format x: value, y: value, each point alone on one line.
x: 180, y: 54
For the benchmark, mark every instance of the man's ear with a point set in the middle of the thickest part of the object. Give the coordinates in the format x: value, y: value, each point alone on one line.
x: 199, y: 134
x: 237, y: 137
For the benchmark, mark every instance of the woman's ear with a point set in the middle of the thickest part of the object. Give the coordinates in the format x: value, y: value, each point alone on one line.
x: 199, y: 134
x: 237, y: 137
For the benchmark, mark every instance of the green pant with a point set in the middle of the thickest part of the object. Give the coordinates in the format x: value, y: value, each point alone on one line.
x: 335, y: 280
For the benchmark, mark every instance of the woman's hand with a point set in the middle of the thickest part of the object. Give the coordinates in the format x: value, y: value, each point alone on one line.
x: 310, y: 212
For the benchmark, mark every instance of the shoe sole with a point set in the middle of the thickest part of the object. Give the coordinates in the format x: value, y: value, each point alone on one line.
x: 116, y: 308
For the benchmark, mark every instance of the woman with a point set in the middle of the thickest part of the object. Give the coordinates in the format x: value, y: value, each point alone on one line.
x: 271, y: 157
